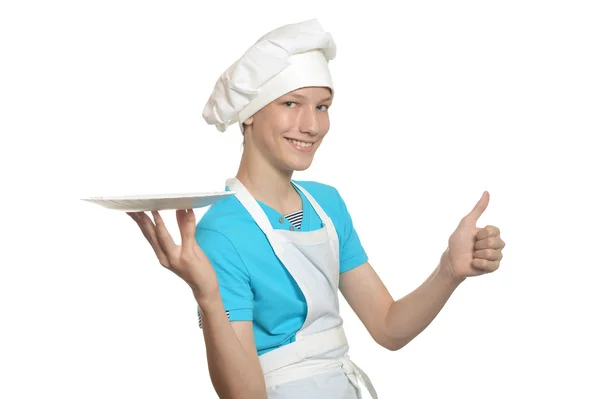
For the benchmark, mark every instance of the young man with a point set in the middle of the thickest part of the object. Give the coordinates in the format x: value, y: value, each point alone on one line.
x: 266, y: 264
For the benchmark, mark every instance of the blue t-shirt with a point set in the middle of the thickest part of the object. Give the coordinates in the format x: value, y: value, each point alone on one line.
x: 254, y: 284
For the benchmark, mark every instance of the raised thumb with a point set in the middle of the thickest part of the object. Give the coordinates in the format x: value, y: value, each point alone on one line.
x: 478, y: 210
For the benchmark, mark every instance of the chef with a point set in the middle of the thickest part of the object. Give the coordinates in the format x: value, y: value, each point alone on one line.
x: 266, y: 264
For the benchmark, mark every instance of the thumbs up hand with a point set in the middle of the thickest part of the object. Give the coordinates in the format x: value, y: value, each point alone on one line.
x: 473, y: 251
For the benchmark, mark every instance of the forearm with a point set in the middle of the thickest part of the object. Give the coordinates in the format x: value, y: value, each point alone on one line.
x: 409, y: 316
x: 233, y: 372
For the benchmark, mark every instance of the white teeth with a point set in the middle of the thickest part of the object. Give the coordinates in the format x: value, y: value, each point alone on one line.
x: 301, y: 143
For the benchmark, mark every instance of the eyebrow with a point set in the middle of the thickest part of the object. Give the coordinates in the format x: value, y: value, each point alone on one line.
x: 300, y: 96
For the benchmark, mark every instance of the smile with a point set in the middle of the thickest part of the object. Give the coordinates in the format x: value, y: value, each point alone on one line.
x: 300, y: 145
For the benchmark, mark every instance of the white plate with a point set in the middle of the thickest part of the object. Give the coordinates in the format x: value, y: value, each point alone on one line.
x: 158, y: 202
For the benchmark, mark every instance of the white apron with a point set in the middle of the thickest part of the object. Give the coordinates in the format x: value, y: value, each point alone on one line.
x: 317, y: 364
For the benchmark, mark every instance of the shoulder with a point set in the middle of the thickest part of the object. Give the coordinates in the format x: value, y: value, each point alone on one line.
x: 352, y: 254
x: 330, y: 199
x: 220, y: 235
x: 222, y: 228
x: 227, y: 229
x: 224, y: 216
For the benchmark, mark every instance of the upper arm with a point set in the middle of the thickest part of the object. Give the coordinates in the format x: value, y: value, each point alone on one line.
x: 231, y: 272
x: 245, y: 333
x: 359, y: 283
x: 352, y: 253
x: 369, y: 299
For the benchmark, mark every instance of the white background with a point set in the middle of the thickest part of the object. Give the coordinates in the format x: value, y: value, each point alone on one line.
x: 436, y: 102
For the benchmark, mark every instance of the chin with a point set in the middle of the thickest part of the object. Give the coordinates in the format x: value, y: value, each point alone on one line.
x: 301, y: 168
x: 294, y: 161
x: 298, y: 166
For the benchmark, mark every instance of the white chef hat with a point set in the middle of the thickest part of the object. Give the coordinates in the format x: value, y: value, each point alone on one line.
x: 285, y: 59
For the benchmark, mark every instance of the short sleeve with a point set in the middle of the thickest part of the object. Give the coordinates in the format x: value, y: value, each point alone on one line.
x: 232, y: 274
x: 352, y: 253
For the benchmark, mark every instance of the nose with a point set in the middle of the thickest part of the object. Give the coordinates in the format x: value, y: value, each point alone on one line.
x: 308, y: 121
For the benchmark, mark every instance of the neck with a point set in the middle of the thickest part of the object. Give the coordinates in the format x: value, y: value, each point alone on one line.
x: 268, y: 184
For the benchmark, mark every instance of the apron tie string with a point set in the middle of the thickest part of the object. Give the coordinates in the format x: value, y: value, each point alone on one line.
x: 355, y: 374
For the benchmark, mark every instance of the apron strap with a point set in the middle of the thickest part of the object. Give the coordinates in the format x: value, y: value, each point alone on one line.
x: 314, y: 204
x: 303, y: 348
x: 331, y: 231
x: 257, y: 213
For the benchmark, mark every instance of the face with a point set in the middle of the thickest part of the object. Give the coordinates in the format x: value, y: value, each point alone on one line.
x: 289, y: 130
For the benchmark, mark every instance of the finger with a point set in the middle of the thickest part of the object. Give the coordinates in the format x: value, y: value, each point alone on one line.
x: 487, y: 231
x: 134, y: 216
x: 149, y: 230
x: 488, y: 254
x: 164, y: 237
x: 478, y: 210
x: 186, y: 219
x: 145, y: 224
x: 137, y: 217
x: 166, y: 246
x: 486, y: 265
x: 490, y: 242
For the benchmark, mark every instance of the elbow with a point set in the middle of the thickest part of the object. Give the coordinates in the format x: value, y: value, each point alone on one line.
x: 392, y: 346
x: 389, y: 346
x: 390, y: 338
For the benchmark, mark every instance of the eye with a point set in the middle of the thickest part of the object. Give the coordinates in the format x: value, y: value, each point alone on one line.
x: 325, y: 107
x: 289, y: 104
